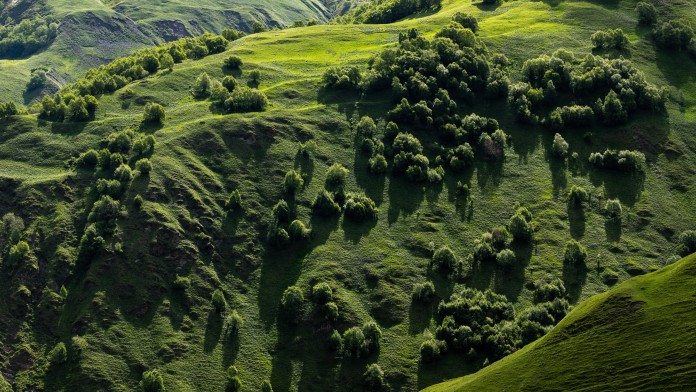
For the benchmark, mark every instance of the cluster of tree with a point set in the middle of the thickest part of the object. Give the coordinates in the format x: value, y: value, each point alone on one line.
x: 674, y: 34
x: 610, y: 39
x: 484, y: 324
x: 624, y: 160
x: 68, y: 107
x: 227, y: 93
x: 494, y: 246
x: 37, y: 79
x: 623, y: 87
x: 8, y: 109
x: 387, y: 11
x: 26, y: 37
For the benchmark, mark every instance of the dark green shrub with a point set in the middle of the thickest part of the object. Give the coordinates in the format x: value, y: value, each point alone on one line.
x: 444, y: 259
x: 152, y: 381
x: 460, y: 35
x: 505, y: 258
x: 354, y: 342
x: 330, y: 311
x: 335, y: 342
x: 378, y: 164
x: 154, y: 113
x: 366, y: 127
x: 431, y: 349
x: 687, y: 243
x: 336, y: 176
x: 292, y: 300
x: 293, y: 182
x: 232, y: 34
x: 322, y: 293
x: 58, y: 354
x: 483, y: 248
x: 233, y: 62
x: 342, y: 78
x: 647, y: 14
x: 138, y: 201
x: 520, y: 225
x: 613, y: 209
x: 673, y: 34
x: 230, y: 83
x: 577, y: 195
x: 624, y: 160
x: 500, y: 237
x: 218, y: 300
x: 574, y: 253
x: 325, y: 205
x: 461, y: 157
x: 88, y: 159
x: 559, y: 148
x: 245, y: 99
x: 360, y: 207
x: 234, y: 202
x: 423, y: 292
x: 373, y: 378
x: 202, y: 87
x: 144, y: 166
x: 234, y: 384
x: 466, y: 21
x: 610, y: 39
x: 281, y: 211
x: 298, y: 231
x: 181, y: 283
x: 549, y: 291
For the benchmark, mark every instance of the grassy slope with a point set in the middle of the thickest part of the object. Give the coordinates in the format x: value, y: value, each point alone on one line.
x: 201, y: 156
x: 637, y: 336
x: 95, y: 32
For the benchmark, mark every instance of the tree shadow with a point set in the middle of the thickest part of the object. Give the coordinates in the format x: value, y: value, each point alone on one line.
x: 305, y: 164
x: 236, y: 72
x: 559, y: 179
x: 488, y: 6
x: 612, y: 227
x: 281, y: 268
x: 626, y: 187
x: 576, y: 220
x: 231, y: 347
x: 489, y: 173
x: 354, y: 231
x: 451, y: 365
x: 213, y: 329
x: 574, y: 277
x: 322, y: 227
x: 404, y: 198
x: 510, y: 280
x: 481, y: 275
x: 419, y: 316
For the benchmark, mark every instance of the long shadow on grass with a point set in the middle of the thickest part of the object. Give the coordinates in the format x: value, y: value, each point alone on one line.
x: 451, y: 365
x: 559, y: 180
x: 576, y: 221
x: 372, y: 184
x: 419, y: 316
x: 489, y: 174
x: 612, y: 227
x: 305, y: 164
x: 213, y: 329
x: 626, y: 187
x: 510, y: 280
x: 404, y: 198
x: 354, y: 231
x: 574, y: 277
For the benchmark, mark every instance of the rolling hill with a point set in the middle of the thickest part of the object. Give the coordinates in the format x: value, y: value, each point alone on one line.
x: 187, y: 271
x: 636, y: 336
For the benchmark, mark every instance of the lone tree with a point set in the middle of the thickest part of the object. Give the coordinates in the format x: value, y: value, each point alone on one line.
x: 574, y: 253
x: 154, y: 113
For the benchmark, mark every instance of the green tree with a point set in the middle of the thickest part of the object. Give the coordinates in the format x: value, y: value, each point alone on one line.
x: 218, y: 300
x: 154, y: 113
x: 574, y: 253
x: 374, y: 378
x: 153, y: 381
x: 647, y: 14
x: 293, y: 182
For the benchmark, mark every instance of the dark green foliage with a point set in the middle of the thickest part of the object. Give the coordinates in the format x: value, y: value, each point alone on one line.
x: 234, y: 383
x: 245, y: 99
x: 8, y: 109
x: 483, y: 248
x: 106, y: 210
x: 232, y: 34
x: 613, y: 110
x: 444, y: 259
x: 181, y: 283
x: 230, y: 83
x: 37, y: 80
x: 325, y: 205
x: 166, y: 61
x: 624, y: 160
x: 577, y: 195
x: 214, y: 43
x: 673, y: 34
x: 154, y: 113
x: 559, y: 148
x: 610, y: 39
x: 431, y: 350
x: 26, y: 37
x: 298, y: 231
x: 68, y: 107
x: 335, y: 342
x: 378, y: 164
x: 574, y: 253
x: 613, y: 209
x: 88, y: 159
x: 423, y: 292
x: 234, y: 202
x: 266, y: 386
x: 281, y: 211
x: 292, y: 301
x: 19, y: 253
x: 218, y: 300
x: 520, y: 225
x: 460, y: 35
x: 257, y: 27
x: 143, y: 145
x: 293, y: 182
x: 505, y: 258
x: 687, y: 243
x: 575, y: 116
x: 336, y: 176
x: 460, y: 157
x: 330, y: 311
x: 549, y: 291
x: 202, y: 87
x: 647, y: 14
x: 144, y: 166
x: 374, y: 378
x: 362, y: 342
x: 58, y: 354
x: 360, y: 207
x: 255, y: 75
x: 342, y: 78
x: 466, y: 21
x: 152, y: 381
x: 322, y: 293
x: 387, y: 11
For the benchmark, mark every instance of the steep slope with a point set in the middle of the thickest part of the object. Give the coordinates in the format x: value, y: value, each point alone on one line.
x: 637, y: 336
x: 124, y: 311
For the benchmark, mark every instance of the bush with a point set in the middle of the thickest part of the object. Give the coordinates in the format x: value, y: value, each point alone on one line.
x: 325, y: 205
x: 234, y: 384
x: 673, y: 34
x: 292, y: 300
x: 520, y: 225
x: 298, y: 231
x: 245, y: 99
x: 378, y: 164
x: 335, y: 342
x: 687, y: 243
x: 623, y: 160
x: 154, y: 113
x: 230, y: 83
x: 360, y: 207
x: 500, y: 237
x: 218, y: 300
x: 88, y: 159
x: 336, y: 176
x: 505, y: 258
x: 232, y: 34
x: 444, y: 259
x: 610, y: 39
x: 58, y: 354
x: 574, y: 253
x: 144, y: 166
x: 423, y: 292
x: 559, y: 148
x: 647, y: 14
x: 26, y: 37
x: 613, y: 111
x: 152, y: 381
x: 548, y: 292
x: 234, y: 202
x: 431, y: 349
x: 483, y: 248
x: 181, y: 283
x: 466, y: 21
x: 322, y: 293
x: 374, y: 378
x: 202, y: 87
x: 342, y: 78
x: 293, y: 182
x: 613, y: 209
x: 577, y: 195
x: 281, y: 211
x: 233, y: 62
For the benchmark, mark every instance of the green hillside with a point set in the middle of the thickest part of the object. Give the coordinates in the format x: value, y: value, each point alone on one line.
x: 111, y: 269
x: 633, y: 337
x: 92, y: 33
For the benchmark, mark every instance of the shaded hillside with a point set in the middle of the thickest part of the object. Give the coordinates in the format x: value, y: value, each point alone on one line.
x: 636, y: 336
